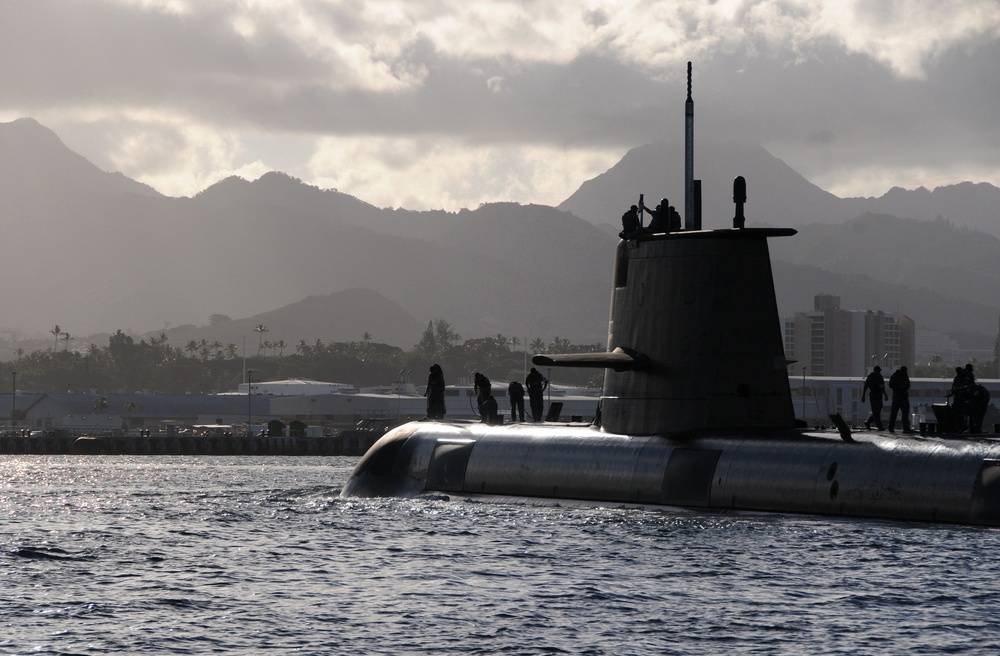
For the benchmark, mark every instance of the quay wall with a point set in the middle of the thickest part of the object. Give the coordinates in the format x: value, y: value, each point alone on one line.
x: 347, y: 443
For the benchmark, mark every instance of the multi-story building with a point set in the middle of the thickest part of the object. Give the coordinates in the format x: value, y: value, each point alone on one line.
x: 830, y: 341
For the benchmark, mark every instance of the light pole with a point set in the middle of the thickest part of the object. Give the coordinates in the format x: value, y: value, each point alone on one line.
x: 249, y: 399
x: 399, y: 391
x: 13, y: 399
x: 803, y: 393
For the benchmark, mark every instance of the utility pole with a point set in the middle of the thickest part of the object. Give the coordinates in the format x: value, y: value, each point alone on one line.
x: 249, y: 399
x: 13, y: 399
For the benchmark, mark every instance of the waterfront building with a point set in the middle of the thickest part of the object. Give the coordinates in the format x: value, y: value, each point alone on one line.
x: 831, y: 341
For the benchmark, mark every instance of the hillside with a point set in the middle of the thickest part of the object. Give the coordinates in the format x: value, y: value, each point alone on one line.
x: 932, y: 256
x: 776, y: 194
x: 343, y: 316
x: 95, y: 252
x: 84, y: 251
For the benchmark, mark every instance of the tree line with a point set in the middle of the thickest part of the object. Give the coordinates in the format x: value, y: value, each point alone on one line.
x: 153, y: 365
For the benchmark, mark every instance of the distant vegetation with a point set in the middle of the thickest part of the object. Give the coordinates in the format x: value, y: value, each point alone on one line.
x: 125, y: 365
x: 938, y: 367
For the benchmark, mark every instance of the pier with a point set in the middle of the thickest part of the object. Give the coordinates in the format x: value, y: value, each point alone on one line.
x: 351, y: 442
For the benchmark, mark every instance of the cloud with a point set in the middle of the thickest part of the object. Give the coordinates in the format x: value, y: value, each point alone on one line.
x: 497, y: 84
x: 451, y: 174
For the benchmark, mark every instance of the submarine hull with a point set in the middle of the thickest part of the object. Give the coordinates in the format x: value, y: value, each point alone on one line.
x: 793, y: 471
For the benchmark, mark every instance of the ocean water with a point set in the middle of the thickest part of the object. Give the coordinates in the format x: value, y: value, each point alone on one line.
x: 196, y: 555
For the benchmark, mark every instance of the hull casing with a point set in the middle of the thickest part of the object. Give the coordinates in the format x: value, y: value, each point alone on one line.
x: 877, y: 475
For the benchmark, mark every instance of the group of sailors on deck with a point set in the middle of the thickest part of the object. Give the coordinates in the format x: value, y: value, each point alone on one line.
x: 664, y: 218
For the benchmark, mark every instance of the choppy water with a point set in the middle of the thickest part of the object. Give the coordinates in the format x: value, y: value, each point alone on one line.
x: 157, y: 555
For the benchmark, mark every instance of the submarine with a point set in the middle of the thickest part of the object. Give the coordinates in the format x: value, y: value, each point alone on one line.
x: 696, y: 410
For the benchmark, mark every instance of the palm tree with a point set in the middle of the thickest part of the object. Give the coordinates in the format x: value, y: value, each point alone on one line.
x: 559, y: 345
x: 537, y: 345
x: 130, y: 407
x: 56, y: 331
x: 281, y: 347
x: 191, y: 347
x: 65, y: 337
x: 260, y: 329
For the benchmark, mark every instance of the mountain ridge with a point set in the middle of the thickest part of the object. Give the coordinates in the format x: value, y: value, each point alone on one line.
x: 95, y: 254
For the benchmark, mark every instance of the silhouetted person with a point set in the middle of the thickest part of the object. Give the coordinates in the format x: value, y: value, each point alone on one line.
x: 435, y: 393
x: 899, y: 383
x: 977, y: 402
x: 875, y: 387
x: 959, y: 386
x: 484, y: 390
x: 674, y: 219
x: 536, y: 384
x: 631, y: 225
x: 958, y: 383
x: 515, y: 392
x: 658, y: 222
x: 489, y: 412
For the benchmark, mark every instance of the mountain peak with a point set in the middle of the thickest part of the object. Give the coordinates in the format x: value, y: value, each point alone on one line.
x: 35, y: 159
x: 657, y: 171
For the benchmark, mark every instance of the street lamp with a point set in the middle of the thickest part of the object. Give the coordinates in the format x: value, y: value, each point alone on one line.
x: 803, y: 393
x: 249, y: 398
x: 13, y: 399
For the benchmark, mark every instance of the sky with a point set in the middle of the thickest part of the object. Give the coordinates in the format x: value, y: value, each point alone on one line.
x: 427, y: 104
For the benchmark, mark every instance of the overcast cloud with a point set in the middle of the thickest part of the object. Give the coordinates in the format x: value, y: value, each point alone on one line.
x: 451, y: 103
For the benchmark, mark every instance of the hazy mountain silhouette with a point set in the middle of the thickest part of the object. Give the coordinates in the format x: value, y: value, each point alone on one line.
x: 930, y: 255
x: 87, y: 252
x: 776, y: 194
x: 95, y: 252
x: 34, y: 161
x: 966, y: 204
x: 342, y: 316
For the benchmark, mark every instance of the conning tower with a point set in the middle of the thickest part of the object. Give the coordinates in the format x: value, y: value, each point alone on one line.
x: 694, y: 341
x: 699, y: 310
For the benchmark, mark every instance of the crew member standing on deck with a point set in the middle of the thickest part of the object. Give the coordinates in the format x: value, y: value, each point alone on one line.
x: 899, y: 383
x: 484, y: 390
x: 875, y: 386
x: 536, y: 384
x: 515, y: 393
x: 435, y: 393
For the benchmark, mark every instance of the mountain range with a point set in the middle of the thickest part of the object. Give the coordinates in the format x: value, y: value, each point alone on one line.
x: 776, y: 194
x: 95, y: 252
